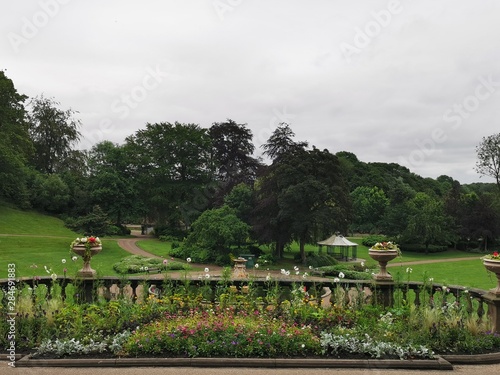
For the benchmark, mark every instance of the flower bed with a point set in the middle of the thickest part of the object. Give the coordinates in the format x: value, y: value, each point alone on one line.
x: 245, y: 322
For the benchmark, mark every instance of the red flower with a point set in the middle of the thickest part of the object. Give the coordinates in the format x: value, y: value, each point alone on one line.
x: 91, y: 240
x: 495, y: 254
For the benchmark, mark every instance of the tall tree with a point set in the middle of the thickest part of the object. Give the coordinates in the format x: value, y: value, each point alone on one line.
x: 172, y: 164
x: 53, y: 131
x: 112, y: 186
x: 232, y: 150
x: 281, y: 143
x: 302, y: 195
x: 428, y: 224
x: 369, y: 205
x: 488, y: 155
x: 15, y: 144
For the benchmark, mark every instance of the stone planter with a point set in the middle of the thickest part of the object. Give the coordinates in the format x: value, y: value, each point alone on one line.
x: 80, y: 250
x: 493, y: 266
x: 383, y: 257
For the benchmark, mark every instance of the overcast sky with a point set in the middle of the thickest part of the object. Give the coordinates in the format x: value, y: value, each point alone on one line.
x: 411, y: 82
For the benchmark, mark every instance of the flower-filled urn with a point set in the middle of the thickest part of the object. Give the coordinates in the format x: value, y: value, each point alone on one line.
x: 384, y: 252
x: 86, y: 247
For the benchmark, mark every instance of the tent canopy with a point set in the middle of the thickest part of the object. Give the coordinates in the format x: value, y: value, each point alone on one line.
x: 343, y: 245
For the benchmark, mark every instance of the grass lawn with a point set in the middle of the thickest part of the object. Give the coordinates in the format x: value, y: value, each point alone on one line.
x: 33, y: 245
x: 468, y: 273
x: 27, y: 251
x: 156, y: 247
x: 29, y: 222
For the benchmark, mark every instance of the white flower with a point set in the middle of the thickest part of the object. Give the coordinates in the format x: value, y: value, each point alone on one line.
x: 296, y: 268
x: 341, y: 275
x: 268, y: 277
x: 303, y: 345
x: 141, y: 269
x: 63, y: 261
x: 283, y: 271
x: 256, y: 265
x: 305, y: 275
x: 53, y: 277
x: 287, y: 273
x: 77, y: 240
x: 310, y: 267
x: 207, y: 276
x: 207, y: 270
x: 362, y: 264
x: 74, y: 258
x: 83, y: 239
x: 188, y: 260
x: 336, y: 280
x: 431, y: 279
x: 297, y: 273
x: 46, y: 269
x: 146, y: 268
x: 409, y: 270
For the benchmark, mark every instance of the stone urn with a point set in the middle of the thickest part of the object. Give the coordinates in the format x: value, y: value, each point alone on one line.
x: 493, y: 266
x: 86, y: 255
x: 383, y: 257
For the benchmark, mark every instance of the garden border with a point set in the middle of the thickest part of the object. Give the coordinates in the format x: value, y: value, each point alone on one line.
x: 421, y: 364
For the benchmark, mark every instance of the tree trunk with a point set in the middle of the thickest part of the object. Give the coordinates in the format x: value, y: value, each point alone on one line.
x: 302, y: 245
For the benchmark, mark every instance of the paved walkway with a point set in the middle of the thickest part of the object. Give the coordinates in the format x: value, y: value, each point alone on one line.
x: 461, y: 370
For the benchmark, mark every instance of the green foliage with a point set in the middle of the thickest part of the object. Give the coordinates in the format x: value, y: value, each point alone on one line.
x: 137, y: 263
x: 266, y: 259
x: 349, y: 272
x: 213, y: 233
x: 371, y: 240
x: 53, y: 132
x: 95, y: 223
x: 318, y: 260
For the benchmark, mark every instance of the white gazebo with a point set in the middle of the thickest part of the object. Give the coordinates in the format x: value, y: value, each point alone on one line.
x: 339, y: 246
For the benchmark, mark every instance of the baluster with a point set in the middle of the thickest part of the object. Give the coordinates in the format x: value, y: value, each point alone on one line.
x: 480, y: 310
x: 417, y: 297
x: 134, y: 284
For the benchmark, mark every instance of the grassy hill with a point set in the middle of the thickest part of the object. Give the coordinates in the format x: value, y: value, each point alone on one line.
x: 14, y: 221
x: 34, y: 241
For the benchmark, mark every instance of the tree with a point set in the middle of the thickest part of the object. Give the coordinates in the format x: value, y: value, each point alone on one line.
x: 232, y: 150
x: 53, y: 131
x: 428, y: 224
x: 241, y: 199
x: 280, y: 143
x: 213, y: 234
x: 15, y: 144
x: 301, y: 197
x: 111, y: 183
x: 488, y: 154
x: 172, y: 165
x: 369, y: 205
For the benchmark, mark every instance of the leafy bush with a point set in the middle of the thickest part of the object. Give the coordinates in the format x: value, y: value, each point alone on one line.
x: 266, y: 259
x: 319, y: 260
x: 373, y: 239
x: 137, y: 263
x: 349, y: 273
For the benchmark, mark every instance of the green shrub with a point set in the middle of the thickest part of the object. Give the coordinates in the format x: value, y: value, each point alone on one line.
x: 319, y: 260
x: 137, y: 263
x: 348, y: 271
x: 373, y: 239
x: 266, y: 259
